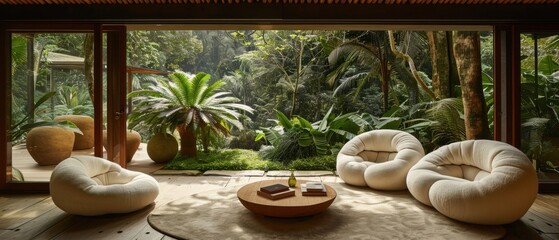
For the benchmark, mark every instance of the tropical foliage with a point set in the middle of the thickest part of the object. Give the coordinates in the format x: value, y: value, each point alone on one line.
x: 23, y: 125
x: 321, y: 88
x: 298, y: 138
x: 539, y: 109
x: 191, y: 105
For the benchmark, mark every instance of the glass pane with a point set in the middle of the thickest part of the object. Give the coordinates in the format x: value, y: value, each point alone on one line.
x: 52, y: 110
x: 540, y: 102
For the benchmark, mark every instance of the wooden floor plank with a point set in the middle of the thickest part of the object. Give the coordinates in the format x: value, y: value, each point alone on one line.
x: 13, y: 203
x: 148, y: 233
x: 55, y: 224
x: 111, y: 226
x: 31, y: 171
x: 520, y: 230
x: 21, y: 217
x: 547, y: 205
x: 550, y: 236
x: 67, y: 222
x: 23, y: 210
x: 119, y: 226
x: 542, y: 224
x: 132, y: 227
x: 37, y: 225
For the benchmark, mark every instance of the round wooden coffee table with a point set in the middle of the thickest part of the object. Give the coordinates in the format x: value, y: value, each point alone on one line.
x: 297, y: 206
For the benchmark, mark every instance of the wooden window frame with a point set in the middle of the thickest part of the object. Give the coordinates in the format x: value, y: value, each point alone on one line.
x: 117, y: 71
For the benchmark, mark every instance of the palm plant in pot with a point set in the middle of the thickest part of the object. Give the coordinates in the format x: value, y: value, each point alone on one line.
x: 189, y: 104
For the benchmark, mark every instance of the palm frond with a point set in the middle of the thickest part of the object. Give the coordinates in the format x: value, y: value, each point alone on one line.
x: 449, y: 117
x: 199, y: 86
x: 350, y: 82
x: 211, y: 90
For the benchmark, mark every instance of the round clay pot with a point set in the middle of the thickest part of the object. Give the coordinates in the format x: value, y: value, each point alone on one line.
x: 85, y: 124
x: 133, y: 140
x: 162, y: 147
x: 50, y: 145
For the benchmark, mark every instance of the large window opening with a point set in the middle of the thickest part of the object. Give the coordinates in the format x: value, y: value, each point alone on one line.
x: 304, y: 93
x: 286, y: 96
x: 540, y: 98
x: 67, y: 98
x: 51, y: 100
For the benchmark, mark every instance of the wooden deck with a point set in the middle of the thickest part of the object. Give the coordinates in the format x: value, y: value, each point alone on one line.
x: 34, y: 216
x: 34, y: 173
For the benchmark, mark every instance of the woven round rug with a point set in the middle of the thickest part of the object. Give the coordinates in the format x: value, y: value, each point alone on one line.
x: 357, y: 213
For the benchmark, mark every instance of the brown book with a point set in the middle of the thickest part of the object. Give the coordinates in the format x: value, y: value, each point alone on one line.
x: 275, y: 188
x: 275, y: 196
x: 306, y: 192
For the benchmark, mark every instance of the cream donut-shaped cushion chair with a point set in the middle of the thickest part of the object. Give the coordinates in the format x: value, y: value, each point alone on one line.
x: 379, y: 159
x: 85, y: 185
x: 476, y: 181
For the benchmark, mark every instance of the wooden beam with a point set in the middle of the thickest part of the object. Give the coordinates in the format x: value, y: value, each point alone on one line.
x: 5, y: 96
x: 284, y: 13
x: 116, y: 93
x: 502, y: 80
x: 98, y: 90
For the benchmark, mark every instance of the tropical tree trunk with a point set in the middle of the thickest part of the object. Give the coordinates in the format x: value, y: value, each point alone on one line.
x: 468, y: 62
x: 438, y: 45
x: 411, y: 64
x: 88, y: 63
x: 188, y: 141
x: 385, y: 77
x: 298, y: 74
x: 205, y: 137
x: 407, y: 78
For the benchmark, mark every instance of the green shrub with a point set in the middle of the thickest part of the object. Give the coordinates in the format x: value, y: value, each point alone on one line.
x: 327, y: 162
x: 227, y: 159
x: 242, y: 159
x: 245, y: 140
x: 296, y: 137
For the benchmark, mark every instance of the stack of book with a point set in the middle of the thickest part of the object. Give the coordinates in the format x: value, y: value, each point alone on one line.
x: 313, y: 189
x: 276, y: 191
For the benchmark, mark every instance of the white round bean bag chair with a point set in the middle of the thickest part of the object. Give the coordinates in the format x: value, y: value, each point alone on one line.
x: 379, y: 159
x: 85, y: 185
x: 476, y: 181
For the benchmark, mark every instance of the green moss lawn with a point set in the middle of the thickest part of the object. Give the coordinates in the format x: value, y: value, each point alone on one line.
x: 242, y: 159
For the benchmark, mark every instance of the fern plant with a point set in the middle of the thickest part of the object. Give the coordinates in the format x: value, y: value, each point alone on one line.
x: 448, y: 117
x: 298, y: 138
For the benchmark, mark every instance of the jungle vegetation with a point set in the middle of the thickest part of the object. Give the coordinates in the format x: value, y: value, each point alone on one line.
x: 304, y: 93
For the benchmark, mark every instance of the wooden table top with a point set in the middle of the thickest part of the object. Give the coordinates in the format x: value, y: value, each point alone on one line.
x: 296, y: 206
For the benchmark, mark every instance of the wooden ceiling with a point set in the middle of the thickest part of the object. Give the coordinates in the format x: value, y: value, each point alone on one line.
x: 384, y: 2
x: 219, y: 12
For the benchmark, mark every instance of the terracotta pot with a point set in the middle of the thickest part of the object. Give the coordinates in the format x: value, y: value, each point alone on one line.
x: 133, y: 140
x: 50, y: 145
x: 162, y: 147
x: 85, y: 124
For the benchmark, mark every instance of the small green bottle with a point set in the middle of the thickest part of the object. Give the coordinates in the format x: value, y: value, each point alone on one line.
x: 292, y: 180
